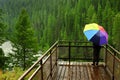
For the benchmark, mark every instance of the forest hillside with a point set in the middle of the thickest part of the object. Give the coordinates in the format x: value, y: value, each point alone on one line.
x: 36, y: 24
x: 33, y: 25
x: 64, y: 19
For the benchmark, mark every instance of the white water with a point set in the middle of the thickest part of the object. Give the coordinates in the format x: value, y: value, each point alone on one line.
x: 7, y: 47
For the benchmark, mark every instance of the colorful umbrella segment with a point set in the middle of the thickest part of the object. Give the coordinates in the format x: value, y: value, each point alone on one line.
x: 96, y: 34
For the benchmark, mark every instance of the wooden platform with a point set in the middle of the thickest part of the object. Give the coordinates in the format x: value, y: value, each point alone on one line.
x: 82, y: 71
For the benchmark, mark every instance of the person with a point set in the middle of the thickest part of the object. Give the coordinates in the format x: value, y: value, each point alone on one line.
x: 96, y: 54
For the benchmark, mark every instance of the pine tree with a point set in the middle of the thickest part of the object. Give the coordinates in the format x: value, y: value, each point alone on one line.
x: 107, y: 19
x: 25, y: 42
x: 94, y: 18
x: 106, y: 16
x: 2, y: 59
x: 2, y: 28
x: 115, y: 30
x: 90, y: 13
x: 99, y: 14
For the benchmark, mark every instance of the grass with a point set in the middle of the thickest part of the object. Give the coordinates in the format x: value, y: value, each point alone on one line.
x: 12, y: 75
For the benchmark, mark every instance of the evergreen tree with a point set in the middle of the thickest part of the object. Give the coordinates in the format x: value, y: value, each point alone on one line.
x: 99, y: 14
x: 116, y: 30
x: 25, y: 42
x: 90, y: 13
x: 2, y: 59
x: 107, y: 19
x: 59, y: 18
x: 94, y: 18
x: 2, y: 28
x: 106, y: 15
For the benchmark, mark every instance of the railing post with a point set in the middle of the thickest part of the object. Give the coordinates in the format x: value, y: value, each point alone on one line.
x: 69, y: 58
x: 51, y: 63
x: 57, y: 58
x: 56, y: 61
x: 69, y: 52
x: 106, y: 47
x: 113, y: 66
x: 56, y: 54
x: 41, y: 63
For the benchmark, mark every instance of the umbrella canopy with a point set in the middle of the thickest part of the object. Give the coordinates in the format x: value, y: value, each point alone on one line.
x: 96, y: 34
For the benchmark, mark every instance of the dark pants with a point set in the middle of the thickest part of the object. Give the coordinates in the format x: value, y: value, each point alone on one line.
x: 96, y: 54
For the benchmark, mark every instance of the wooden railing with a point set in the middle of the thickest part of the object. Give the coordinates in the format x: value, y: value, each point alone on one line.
x: 112, y: 62
x: 77, y: 51
x: 46, y: 68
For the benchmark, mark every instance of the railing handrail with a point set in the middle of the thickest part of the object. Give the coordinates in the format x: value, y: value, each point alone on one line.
x: 38, y: 61
x: 116, y: 51
x: 74, y: 41
x: 111, y: 66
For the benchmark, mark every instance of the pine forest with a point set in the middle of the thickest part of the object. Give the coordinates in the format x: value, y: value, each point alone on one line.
x: 33, y: 25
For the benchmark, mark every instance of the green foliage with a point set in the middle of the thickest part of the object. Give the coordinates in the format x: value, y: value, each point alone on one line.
x: 12, y: 75
x: 2, y: 28
x: 25, y: 42
x: 90, y: 13
x: 2, y: 59
x: 99, y: 15
x: 54, y: 20
x: 116, y: 29
x: 94, y: 18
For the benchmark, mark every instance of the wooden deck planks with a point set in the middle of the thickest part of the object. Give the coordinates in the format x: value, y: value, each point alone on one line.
x: 81, y: 71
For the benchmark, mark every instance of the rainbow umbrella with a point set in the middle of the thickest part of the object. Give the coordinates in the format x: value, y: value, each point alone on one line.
x: 96, y: 34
